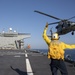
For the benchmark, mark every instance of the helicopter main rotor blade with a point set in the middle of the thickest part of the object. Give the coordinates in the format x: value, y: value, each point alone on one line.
x: 53, y: 23
x: 47, y: 15
x: 71, y: 18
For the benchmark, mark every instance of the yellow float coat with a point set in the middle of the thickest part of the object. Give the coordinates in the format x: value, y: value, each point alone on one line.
x: 55, y: 47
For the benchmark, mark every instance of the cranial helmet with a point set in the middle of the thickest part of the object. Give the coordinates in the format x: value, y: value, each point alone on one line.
x: 55, y: 36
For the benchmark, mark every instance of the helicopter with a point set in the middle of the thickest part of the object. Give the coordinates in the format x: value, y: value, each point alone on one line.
x: 64, y: 25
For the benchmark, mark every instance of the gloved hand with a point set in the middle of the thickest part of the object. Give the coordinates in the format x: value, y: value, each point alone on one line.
x: 46, y: 25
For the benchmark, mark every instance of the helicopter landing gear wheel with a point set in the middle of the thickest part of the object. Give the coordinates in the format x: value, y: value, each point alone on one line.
x: 72, y: 33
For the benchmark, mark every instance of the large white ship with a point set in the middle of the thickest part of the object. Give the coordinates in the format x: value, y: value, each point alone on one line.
x: 12, y: 39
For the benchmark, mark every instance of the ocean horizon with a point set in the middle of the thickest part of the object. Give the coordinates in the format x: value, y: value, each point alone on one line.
x: 70, y: 52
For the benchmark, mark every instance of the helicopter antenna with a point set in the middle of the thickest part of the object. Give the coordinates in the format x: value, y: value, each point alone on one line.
x: 51, y: 31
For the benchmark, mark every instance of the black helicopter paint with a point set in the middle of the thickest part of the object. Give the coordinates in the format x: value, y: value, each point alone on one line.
x: 64, y: 25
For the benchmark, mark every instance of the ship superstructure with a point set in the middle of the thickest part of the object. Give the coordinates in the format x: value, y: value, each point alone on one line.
x: 12, y: 39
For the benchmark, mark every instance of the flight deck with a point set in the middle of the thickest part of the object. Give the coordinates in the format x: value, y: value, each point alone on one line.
x: 27, y: 62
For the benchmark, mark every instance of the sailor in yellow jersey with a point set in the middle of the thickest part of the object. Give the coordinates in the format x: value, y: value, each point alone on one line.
x: 56, y: 52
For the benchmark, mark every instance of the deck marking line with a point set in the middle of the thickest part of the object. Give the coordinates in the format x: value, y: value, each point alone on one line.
x: 25, y: 51
x: 26, y: 55
x: 28, y: 66
x: 17, y: 56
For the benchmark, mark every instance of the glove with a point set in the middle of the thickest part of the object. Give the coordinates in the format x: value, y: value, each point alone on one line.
x: 46, y: 25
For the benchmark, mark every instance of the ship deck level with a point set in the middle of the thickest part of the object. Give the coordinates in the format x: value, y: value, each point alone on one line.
x: 26, y: 62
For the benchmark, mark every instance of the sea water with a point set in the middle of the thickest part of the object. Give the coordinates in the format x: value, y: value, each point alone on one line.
x: 70, y: 52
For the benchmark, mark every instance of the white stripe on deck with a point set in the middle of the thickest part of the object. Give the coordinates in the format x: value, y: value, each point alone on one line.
x: 17, y: 56
x: 28, y: 66
x: 26, y: 55
x: 25, y: 51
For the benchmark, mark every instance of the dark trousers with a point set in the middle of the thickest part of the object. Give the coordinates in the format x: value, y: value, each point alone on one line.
x: 58, y: 64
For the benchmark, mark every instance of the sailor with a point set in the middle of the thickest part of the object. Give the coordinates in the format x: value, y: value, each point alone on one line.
x: 56, y: 50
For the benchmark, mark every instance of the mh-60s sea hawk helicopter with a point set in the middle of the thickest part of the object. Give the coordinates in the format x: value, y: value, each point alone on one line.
x: 64, y: 25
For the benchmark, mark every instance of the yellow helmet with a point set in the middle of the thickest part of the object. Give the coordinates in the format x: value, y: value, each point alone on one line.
x: 55, y: 36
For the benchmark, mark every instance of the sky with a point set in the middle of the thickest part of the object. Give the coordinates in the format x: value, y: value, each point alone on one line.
x: 20, y: 16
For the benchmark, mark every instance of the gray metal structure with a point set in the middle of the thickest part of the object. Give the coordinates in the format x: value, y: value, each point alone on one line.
x: 12, y: 40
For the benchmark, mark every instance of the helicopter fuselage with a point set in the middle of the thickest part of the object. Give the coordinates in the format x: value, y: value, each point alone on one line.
x: 64, y: 25
x: 65, y: 28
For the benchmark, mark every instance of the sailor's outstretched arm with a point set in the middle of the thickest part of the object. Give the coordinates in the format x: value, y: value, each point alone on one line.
x: 45, y: 37
x: 69, y: 46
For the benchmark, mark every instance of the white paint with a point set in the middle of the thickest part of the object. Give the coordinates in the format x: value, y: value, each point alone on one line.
x: 17, y: 56
x: 28, y: 66
x: 26, y: 55
x: 25, y: 51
